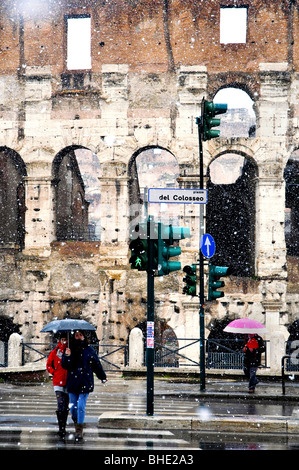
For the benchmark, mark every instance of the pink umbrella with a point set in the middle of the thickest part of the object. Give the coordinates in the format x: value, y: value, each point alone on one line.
x: 245, y: 325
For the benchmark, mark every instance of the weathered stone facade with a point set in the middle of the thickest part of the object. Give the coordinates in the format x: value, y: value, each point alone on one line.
x: 152, y: 63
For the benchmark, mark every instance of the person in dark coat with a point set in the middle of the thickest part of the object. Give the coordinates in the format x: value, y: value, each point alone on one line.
x: 253, y: 350
x: 81, y: 362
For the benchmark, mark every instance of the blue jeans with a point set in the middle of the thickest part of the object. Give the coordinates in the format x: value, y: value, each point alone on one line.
x: 250, y: 374
x: 77, y: 406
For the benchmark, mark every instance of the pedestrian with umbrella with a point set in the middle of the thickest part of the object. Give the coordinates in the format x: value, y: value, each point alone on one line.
x: 253, y: 349
x: 81, y: 362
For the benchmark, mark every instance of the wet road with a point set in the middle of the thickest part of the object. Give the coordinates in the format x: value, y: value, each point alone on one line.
x: 28, y: 420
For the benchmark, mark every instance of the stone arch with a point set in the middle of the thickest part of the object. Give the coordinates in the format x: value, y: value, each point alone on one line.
x: 231, y: 211
x: 249, y: 83
x: 149, y: 167
x: 241, y: 150
x: 12, y: 199
x: 71, y: 205
x: 240, y: 118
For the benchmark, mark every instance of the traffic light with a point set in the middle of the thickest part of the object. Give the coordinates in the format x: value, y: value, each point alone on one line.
x: 167, y: 235
x: 190, y: 280
x: 139, y: 247
x: 208, y: 111
x: 215, y: 272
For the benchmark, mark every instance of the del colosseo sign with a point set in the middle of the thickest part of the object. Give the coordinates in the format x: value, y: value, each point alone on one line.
x: 172, y: 195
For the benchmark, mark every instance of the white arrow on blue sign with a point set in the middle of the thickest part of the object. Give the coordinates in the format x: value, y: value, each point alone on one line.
x: 207, y: 245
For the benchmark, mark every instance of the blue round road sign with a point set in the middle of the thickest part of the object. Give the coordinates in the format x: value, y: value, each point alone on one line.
x: 207, y: 245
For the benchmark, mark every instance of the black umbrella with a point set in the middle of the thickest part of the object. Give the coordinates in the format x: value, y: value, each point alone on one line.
x: 67, y: 324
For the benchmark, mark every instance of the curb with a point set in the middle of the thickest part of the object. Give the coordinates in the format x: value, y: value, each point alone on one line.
x: 236, y: 424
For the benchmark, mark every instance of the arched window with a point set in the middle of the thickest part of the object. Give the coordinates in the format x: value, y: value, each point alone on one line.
x: 153, y: 167
x: 12, y: 199
x: 239, y: 120
x: 291, y: 176
x: 71, y: 206
x: 90, y: 170
x: 231, y: 212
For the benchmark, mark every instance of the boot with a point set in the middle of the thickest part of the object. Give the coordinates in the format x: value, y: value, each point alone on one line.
x: 62, y: 417
x: 79, y: 432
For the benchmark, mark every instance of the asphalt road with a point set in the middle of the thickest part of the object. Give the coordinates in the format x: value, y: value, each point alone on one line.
x: 28, y: 420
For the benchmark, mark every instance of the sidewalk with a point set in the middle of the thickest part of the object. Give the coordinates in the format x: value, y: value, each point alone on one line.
x: 226, y: 391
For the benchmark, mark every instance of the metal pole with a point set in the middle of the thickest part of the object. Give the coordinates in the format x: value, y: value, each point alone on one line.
x: 150, y: 351
x: 201, y: 273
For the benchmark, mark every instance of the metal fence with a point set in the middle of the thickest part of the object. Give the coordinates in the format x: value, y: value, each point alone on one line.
x: 220, y: 354
x: 288, y: 365
x: 104, y: 351
x: 225, y: 360
x: 291, y: 364
x: 292, y: 356
x: 227, y: 354
x: 170, y: 352
x: 224, y: 354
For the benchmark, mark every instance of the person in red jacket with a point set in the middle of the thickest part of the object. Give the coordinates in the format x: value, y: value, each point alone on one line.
x: 252, y: 359
x: 59, y: 382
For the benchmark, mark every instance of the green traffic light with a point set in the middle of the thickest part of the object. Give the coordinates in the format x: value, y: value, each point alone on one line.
x: 167, y: 234
x: 190, y: 280
x: 139, y: 258
x: 215, y: 272
x: 139, y: 247
x: 208, y: 111
x: 161, y: 238
x: 164, y: 253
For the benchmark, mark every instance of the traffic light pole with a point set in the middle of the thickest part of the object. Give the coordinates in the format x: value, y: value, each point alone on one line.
x: 202, y: 358
x: 150, y: 351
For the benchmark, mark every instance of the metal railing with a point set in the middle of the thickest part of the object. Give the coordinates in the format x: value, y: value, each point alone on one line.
x: 288, y: 364
x: 30, y: 347
x: 224, y: 354
x: 220, y: 353
x: 169, y: 354
x: 282, y: 373
x: 104, y: 351
x: 228, y: 354
x: 114, y: 348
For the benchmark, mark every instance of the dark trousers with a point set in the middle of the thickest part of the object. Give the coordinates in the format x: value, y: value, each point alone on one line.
x: 62, y: 400
x: 250, y: 374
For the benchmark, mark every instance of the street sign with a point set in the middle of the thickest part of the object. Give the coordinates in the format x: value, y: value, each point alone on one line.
x: 150, y: 329
x: 207, y: 245
x: 178, y: 196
